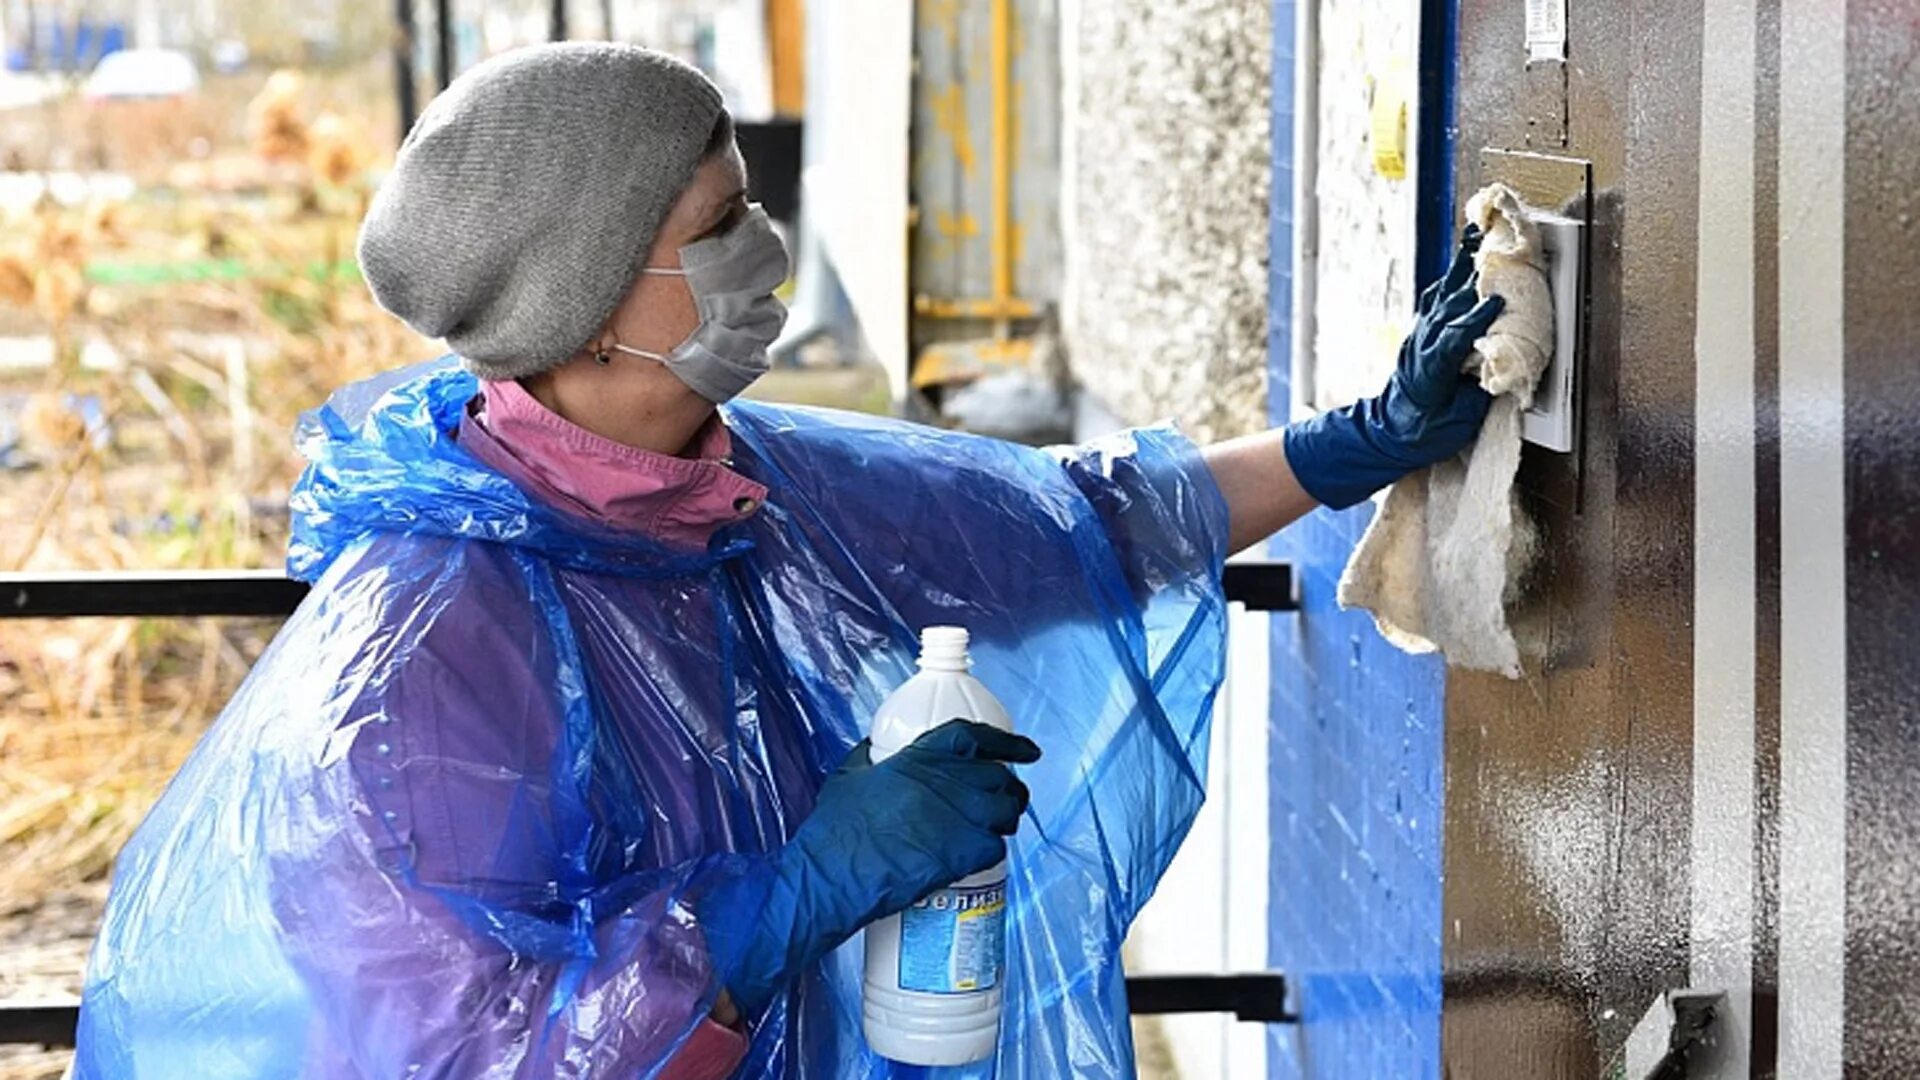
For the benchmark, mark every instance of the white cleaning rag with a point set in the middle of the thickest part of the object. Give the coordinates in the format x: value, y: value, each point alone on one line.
x: 1438, y: 565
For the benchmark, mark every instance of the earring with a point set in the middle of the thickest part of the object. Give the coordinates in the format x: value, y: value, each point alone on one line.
x: 601, y: 357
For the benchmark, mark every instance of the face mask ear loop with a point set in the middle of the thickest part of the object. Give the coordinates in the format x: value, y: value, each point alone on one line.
x: 642, y: 353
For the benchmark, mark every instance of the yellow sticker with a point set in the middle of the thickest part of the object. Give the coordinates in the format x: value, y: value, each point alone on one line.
x: 1389, y: 129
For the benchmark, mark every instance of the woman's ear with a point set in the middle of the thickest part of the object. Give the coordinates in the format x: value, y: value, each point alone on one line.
x: 600, y: 346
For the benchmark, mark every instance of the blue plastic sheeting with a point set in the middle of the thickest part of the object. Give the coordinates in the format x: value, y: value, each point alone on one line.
x: 461, y: 817
x: 70, y: 47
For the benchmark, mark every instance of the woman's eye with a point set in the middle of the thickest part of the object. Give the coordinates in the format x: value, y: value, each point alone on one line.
x: 736, y: 213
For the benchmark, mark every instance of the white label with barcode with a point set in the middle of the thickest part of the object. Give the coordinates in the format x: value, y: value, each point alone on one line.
x: 1546, y: 29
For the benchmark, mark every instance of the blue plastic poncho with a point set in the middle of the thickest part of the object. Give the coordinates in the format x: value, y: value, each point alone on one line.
x: 459, y: 818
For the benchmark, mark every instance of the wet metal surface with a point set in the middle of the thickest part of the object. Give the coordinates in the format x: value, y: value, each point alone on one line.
x: 1882, y: 1036
x: 1583, y: 878
x: 1568, y: 794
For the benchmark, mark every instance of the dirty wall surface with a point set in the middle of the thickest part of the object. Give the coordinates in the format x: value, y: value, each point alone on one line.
x: 1166, y: 198
x: 1365, y: 220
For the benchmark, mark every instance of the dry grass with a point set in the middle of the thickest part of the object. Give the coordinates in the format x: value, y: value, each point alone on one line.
x: 95, y: 715
x: 98, y: 718
x: 33, y: 1063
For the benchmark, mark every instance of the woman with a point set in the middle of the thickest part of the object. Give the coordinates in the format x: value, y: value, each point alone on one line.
x: 551, y: 774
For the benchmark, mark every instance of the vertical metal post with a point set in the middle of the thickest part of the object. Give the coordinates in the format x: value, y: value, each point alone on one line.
x: 34, y: 58
x: 1433, y: 208
x: 557, y: 21
x: 443, y: 40
x: 403, y: 65
x: 606, y: 20
x: 787, y: 46
x: 1002, y: 76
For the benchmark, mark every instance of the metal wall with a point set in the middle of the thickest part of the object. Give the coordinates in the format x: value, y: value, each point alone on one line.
x: 1882, y: 515
x: 1710, y: 777
x: 985, y: 184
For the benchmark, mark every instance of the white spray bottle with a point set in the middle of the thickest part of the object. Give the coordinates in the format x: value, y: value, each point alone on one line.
x: 933, y: 979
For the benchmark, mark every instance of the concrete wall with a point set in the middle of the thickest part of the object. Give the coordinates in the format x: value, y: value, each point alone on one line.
x: 1364, y: 274
x: 1165, y: 204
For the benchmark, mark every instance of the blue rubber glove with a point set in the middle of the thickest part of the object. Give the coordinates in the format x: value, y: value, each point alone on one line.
x: 881, y: 837
x: 1429, y: 412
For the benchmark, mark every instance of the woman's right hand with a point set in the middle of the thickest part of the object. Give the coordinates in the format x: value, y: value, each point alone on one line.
x: 880, y: 837
x: 1430, y: 410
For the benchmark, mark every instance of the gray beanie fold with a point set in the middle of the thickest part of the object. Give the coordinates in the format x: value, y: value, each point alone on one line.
x: 527, y: 196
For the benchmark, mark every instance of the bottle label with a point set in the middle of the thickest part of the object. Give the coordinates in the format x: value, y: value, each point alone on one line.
x: 952, y: 942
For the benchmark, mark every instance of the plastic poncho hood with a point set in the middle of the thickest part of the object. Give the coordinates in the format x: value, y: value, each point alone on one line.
x: 460, y: 817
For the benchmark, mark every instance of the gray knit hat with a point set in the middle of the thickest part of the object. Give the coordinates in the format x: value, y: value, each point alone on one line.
x: 527, y: 196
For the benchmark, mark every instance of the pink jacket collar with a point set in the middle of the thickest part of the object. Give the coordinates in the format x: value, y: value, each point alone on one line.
x: 678, y: 500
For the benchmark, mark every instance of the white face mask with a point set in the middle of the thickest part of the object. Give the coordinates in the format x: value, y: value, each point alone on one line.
x: 732, y: 278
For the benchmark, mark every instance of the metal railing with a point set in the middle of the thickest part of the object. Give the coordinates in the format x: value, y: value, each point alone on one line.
x: 1260, y: 585
x: 1259, y: 998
